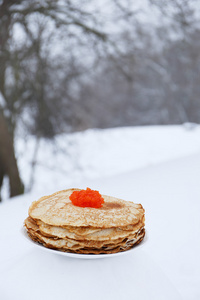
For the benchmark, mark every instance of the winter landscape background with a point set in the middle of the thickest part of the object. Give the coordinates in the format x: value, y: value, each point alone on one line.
x: 95, y: 153
x: 67, y: 67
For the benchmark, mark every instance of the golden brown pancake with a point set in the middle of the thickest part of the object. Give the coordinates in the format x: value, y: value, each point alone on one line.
x: 58, y: 210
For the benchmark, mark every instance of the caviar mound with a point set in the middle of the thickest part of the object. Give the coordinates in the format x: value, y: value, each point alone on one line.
x: 87, y: 198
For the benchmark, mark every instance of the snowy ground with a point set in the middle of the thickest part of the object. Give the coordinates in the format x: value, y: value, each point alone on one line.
x: 157, y: 166
x: 101, y: 153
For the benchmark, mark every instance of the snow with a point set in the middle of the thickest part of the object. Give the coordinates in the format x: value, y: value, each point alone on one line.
x: 170, y: 193
x: 157, y: 166
x: 97, y: 153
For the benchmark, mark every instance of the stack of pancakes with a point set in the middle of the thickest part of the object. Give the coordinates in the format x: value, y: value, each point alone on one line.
x: 57, y: 224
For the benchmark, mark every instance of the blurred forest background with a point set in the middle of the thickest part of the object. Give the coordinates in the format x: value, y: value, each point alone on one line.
x: 66, y: 66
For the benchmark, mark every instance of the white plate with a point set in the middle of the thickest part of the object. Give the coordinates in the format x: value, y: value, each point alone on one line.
x: 81, y: 256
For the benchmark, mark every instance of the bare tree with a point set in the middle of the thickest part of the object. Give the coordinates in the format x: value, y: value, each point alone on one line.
x: 18, y: 89
x: 155, y: 79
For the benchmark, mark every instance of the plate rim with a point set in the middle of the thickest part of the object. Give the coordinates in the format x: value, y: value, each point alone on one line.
x: 81, y: 256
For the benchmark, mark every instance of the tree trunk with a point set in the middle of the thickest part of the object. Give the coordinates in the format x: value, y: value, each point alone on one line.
x: 2, y: 173
x: 8, y: 160
x: 8, y: 164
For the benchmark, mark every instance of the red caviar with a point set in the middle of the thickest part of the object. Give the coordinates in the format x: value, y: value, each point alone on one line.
x: 87, y: 198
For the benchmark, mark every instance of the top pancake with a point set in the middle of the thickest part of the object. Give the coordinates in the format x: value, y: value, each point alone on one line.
x: 58, y: 210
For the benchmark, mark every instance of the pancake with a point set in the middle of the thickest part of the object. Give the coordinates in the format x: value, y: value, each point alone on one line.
x: 73, y: 245
x: 68, y: 242
x: 97, y: 234
x: 56, y: 223
x: 60, y: 246
x: 58, y: 210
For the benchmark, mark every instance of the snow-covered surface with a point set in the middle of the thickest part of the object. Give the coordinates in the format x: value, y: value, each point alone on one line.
x: 170, y: 193
x: 160, y: 168
x: 102, y: 153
